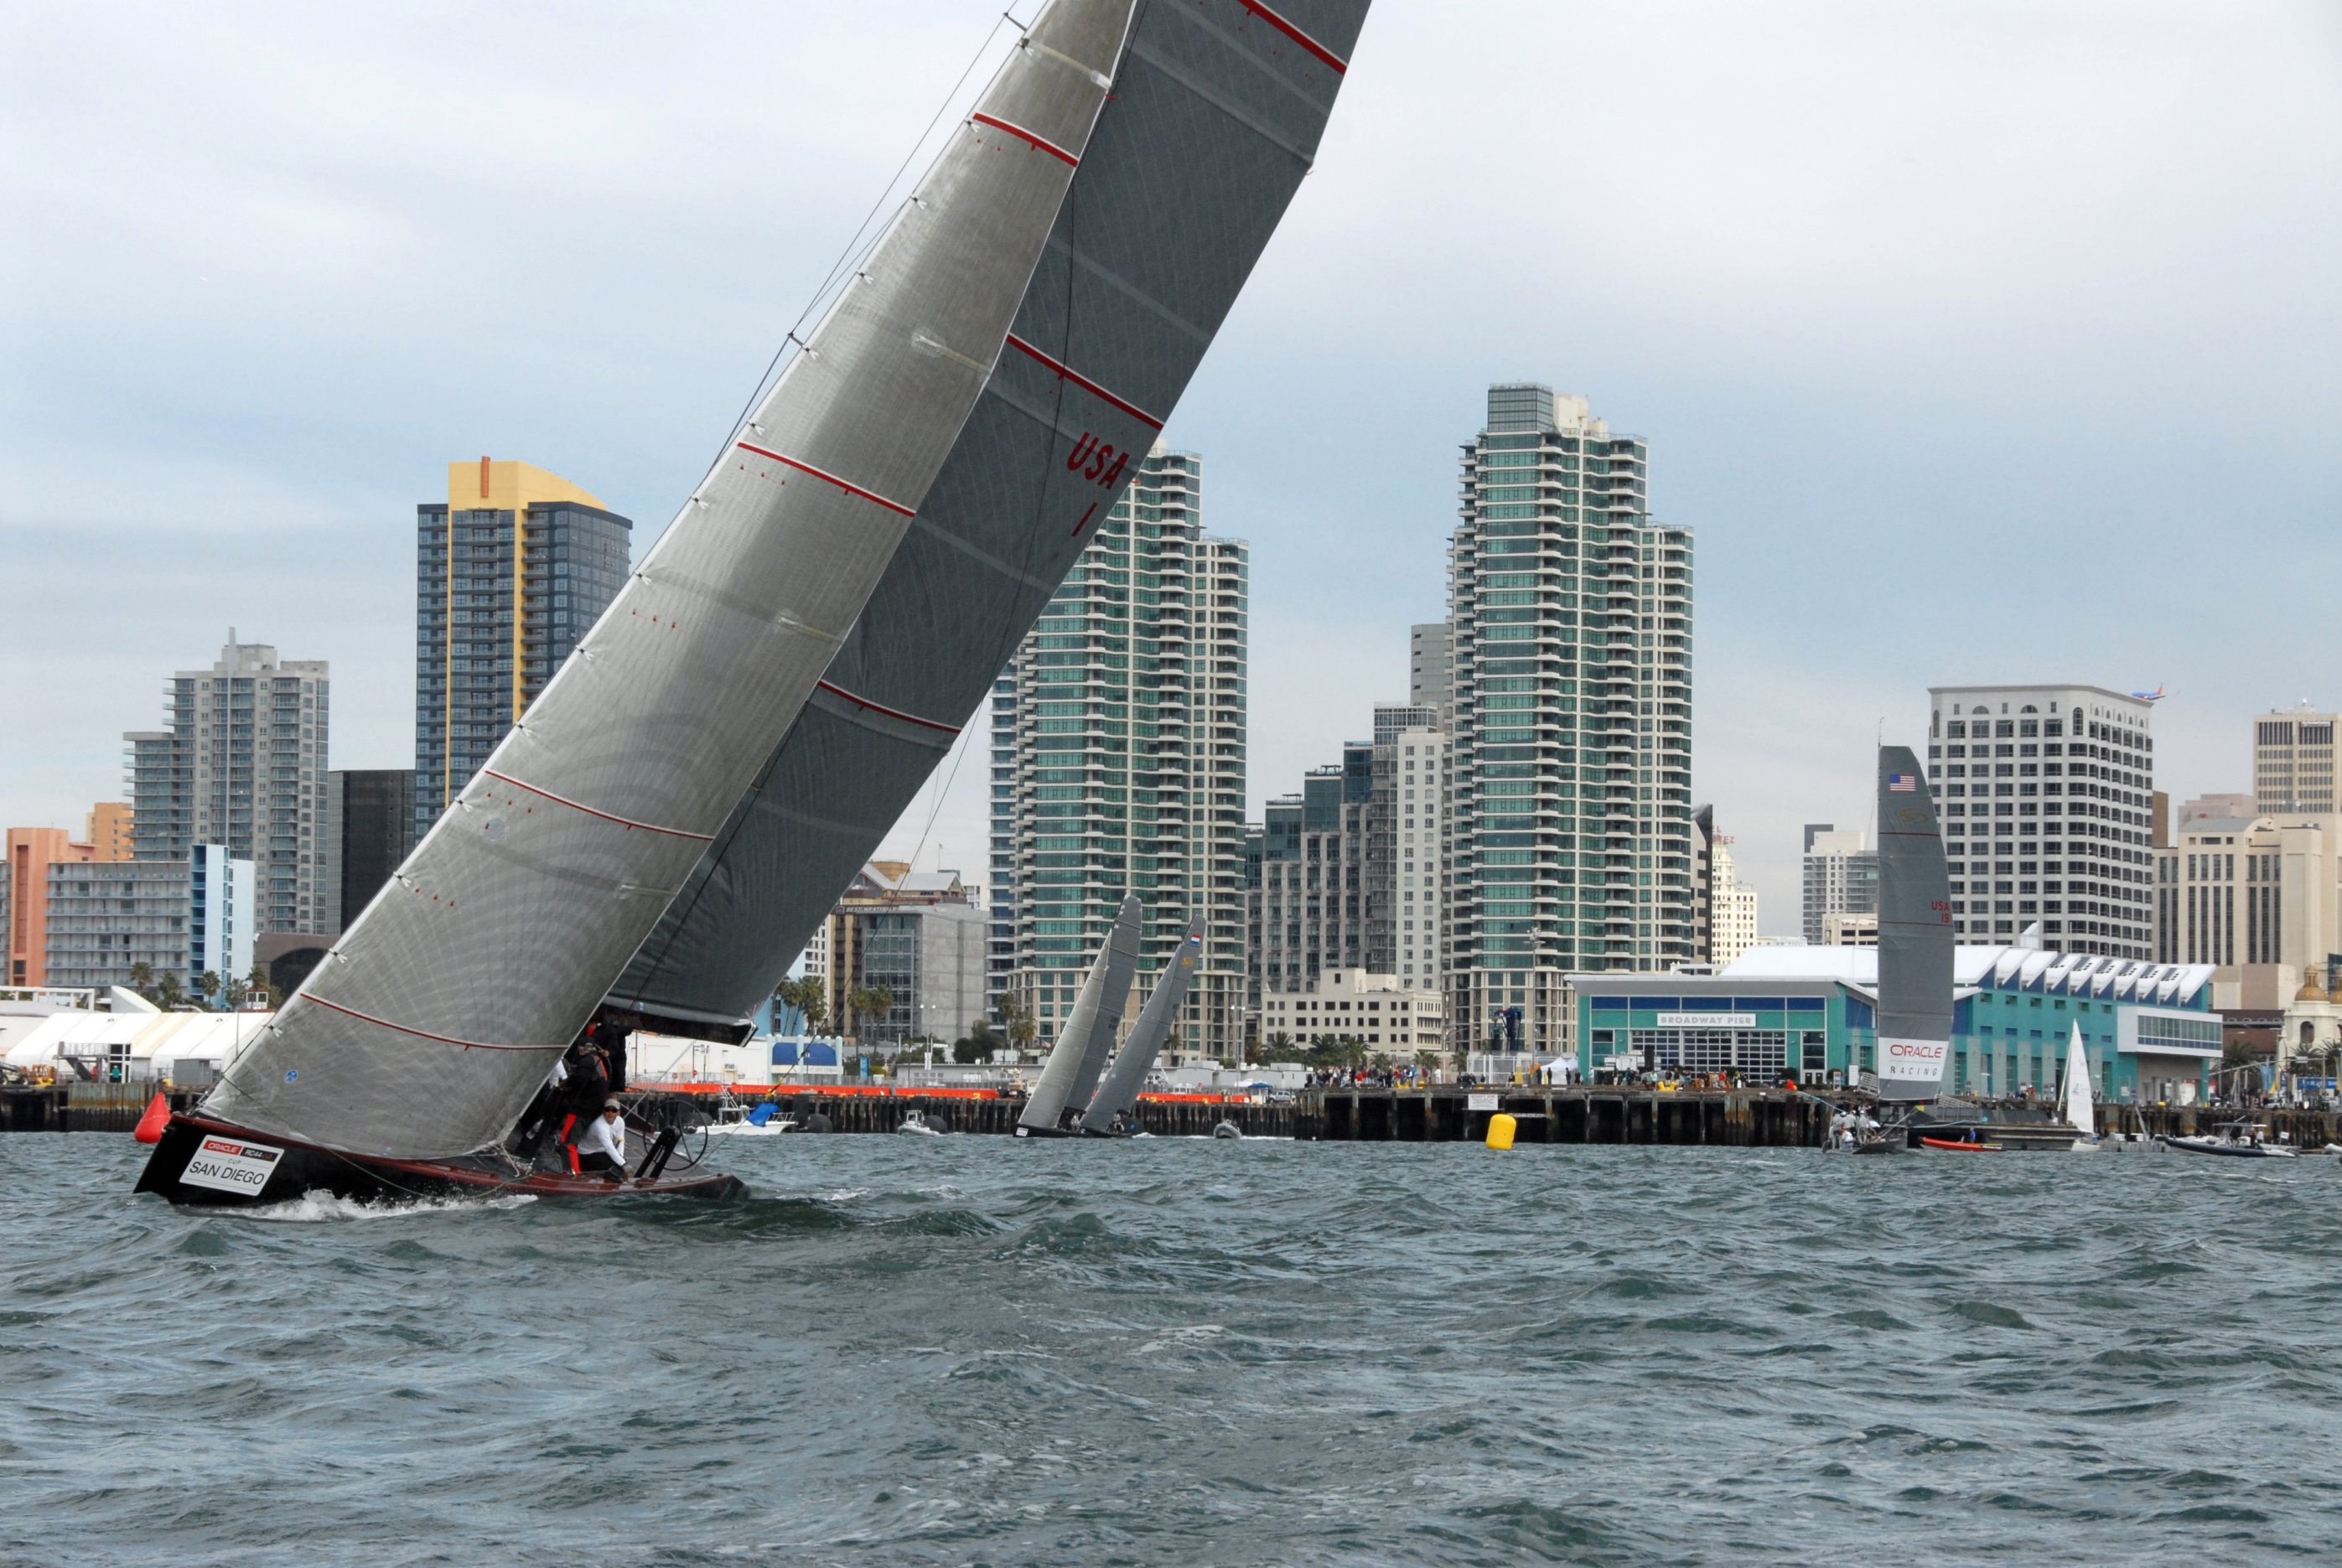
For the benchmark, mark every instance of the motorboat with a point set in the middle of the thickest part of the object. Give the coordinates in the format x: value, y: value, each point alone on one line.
x: 764, y: 1120
x: 2235, y: 1140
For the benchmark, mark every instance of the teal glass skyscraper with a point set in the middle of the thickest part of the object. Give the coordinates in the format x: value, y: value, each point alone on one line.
x: 1572, y: 668
x: 1118, y: 762
x: 509, y: 574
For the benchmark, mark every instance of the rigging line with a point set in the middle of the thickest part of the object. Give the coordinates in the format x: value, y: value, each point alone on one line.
x: 1005, y: 644
x: 848, y: 257
x: 847, y: 260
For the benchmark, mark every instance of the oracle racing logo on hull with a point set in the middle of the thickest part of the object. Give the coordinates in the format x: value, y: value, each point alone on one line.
x: 232, y: 1165
x: 1912, y: 1061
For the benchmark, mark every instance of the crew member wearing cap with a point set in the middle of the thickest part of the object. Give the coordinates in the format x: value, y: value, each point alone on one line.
x: 602, y: 1145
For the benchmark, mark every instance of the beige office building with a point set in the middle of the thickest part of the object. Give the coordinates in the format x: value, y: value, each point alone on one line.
x: 1732, y: 909
x: 2259, y: 898
x: 2292, y: 762
x: 1381, y: 1012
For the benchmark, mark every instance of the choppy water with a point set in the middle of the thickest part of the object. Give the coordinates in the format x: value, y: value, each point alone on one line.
x: 974, y: 1350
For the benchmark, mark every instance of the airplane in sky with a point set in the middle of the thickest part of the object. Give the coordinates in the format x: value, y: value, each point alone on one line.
x: 2153, y: 697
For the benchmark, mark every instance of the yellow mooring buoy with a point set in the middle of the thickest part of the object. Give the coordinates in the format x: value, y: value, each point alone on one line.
x: 1501, y: 1128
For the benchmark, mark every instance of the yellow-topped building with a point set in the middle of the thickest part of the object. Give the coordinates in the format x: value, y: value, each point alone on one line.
x: 511, y: 570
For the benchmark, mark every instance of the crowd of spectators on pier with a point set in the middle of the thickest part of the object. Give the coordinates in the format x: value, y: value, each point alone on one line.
x: 1384, y: 1078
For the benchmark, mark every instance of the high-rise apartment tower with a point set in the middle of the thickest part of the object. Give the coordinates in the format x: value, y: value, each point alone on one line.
x: 242, y: 765
x: 1839, y: 876
x: 1118, y: 761
x: 1572, y: 617
x: 509, y: 572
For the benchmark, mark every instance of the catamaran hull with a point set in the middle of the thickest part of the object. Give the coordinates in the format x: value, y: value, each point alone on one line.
x: 202, y: 1163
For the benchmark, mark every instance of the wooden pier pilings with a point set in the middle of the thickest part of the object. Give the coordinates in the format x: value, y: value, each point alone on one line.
x: 1727, y: 1118
x: 81, y: 1107
x: 1733, y: 1118
x: 1750, y: 1118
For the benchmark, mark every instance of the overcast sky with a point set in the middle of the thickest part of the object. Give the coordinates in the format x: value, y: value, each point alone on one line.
x: 1976, y: 342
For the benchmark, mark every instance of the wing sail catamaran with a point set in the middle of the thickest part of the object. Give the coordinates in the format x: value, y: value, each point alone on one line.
x: 784, y: 669
x: 1914, y: 1030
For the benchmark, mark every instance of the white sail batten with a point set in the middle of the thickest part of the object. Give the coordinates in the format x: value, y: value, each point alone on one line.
x: 1914, y: 934
x: 436, y: 1015
x: 1072, y: 1069
x: 1117, y: 1089
x: 1216, y: 113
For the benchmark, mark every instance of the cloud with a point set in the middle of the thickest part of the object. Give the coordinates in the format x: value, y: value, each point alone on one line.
x: 1976, y: 341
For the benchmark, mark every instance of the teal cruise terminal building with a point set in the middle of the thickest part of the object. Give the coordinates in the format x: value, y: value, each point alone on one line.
x: 2149, y: 1029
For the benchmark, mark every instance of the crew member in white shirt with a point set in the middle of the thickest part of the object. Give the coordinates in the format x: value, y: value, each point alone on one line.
x: 602, y: 1146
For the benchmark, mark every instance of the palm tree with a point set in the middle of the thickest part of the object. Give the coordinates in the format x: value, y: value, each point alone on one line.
x: 167, y: 994
x: 257, y: 983
x: 1017, y: 1018
x: 809, y: 995
x: 142, y: 979
x: 873, y: 1002
x: 207, y: 985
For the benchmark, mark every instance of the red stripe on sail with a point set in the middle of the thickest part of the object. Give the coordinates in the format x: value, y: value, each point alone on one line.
x: 847, y: 486
x: 576, y: 806
x: 1085, y: 383
x: 883, y: 708
x: 421, y: 1034
x: 1042, y: 143
x: 1341, y: 66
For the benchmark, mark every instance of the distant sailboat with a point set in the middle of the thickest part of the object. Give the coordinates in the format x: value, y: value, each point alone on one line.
x: 1914, y: 1030
x: 2081, y: 1105
x: 1080, y: 1054
x: 1113, y: 1110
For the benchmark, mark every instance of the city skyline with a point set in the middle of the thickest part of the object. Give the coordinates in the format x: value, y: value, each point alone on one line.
x: 1917, y: 295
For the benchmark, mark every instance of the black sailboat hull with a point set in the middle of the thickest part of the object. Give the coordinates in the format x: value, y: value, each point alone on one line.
x: 202, y: 1163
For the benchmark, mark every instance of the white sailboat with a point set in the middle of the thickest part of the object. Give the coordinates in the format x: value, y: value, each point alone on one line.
x: 2081, y: 1105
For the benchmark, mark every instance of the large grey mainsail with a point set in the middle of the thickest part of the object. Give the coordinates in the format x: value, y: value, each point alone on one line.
x: 1915, y: 933
x: 1117, y: 1090
x: 1073, y: 1062
x: 436, y: 1015
x: 1215, y: 115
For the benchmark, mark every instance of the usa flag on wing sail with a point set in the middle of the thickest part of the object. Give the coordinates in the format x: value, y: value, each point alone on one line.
x: 1902, y: 783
